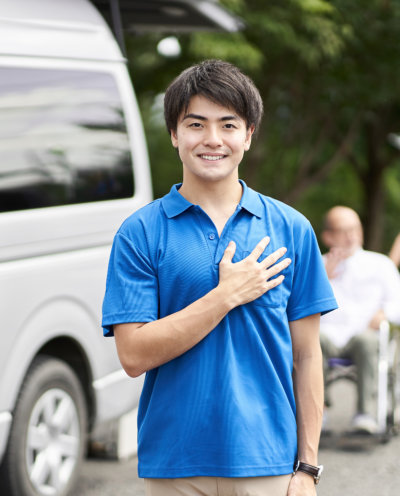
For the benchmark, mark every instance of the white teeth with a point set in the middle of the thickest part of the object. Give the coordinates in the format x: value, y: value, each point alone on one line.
x: 212, y: 158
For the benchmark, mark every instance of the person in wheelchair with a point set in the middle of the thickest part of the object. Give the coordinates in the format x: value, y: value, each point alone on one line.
x: 367, y: 288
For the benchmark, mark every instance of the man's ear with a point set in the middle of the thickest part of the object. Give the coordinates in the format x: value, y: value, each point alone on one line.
x: 174, y: 138
x: 249, y: 134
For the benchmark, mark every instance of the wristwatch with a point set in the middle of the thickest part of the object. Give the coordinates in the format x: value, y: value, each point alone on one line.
x: 312, y: 470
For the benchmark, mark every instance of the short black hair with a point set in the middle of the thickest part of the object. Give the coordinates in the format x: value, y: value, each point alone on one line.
x: 220, y: 82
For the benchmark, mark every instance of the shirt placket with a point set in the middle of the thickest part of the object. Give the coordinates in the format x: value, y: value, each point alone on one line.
x: 225, y: 238
x: 216, y: 244
x: 211, y: 235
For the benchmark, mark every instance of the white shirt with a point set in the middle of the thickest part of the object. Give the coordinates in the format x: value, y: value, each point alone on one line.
x: 364, y: 283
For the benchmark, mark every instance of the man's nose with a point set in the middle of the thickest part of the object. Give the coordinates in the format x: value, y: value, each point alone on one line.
x: 212, y: 137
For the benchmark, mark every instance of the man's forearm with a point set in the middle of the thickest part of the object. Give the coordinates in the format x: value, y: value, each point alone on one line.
x: 309, y: 394
x: 308, y: 386
x: 143, y: 347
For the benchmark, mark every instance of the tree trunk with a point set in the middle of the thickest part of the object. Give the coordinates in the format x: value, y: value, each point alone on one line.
x: 374, y: 191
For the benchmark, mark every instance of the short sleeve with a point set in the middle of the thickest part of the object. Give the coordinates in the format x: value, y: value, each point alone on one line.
x: 311, y: 291
x: 132, y: 287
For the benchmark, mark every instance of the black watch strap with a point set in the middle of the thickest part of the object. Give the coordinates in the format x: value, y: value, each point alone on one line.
x: 312, y: 470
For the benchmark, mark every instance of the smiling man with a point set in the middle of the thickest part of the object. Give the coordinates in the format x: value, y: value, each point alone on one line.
x: 215, y: 292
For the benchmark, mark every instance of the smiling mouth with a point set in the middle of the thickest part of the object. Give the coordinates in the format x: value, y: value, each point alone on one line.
x: 212, y: 157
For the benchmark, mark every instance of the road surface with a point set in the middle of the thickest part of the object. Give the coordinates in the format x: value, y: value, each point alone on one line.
x: 363, y: 467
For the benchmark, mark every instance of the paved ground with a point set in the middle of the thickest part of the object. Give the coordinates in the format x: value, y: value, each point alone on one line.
x: 352, y: 468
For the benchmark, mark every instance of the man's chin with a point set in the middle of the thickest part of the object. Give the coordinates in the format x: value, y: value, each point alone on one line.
x: 350, y: 251
x: 345, y: 252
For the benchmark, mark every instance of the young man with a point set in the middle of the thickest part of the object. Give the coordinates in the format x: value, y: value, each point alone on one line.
x: 367, y: 288
x: 216, y: 291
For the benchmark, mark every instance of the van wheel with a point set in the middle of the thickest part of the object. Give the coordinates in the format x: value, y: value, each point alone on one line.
x: 48, y: 434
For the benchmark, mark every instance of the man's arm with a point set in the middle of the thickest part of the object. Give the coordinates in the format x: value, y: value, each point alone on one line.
x: 309, y: 395
x: 143, y: 346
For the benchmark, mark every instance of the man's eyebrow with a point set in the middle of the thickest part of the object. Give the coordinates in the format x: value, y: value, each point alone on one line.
x: 229, y: 118
x: 196, y: 117
x: 203, y: 118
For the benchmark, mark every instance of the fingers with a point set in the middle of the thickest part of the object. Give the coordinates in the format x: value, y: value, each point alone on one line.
x: 277, y: 268
x: 273, y: 269
x: 273, y: 257
x: 260, y: 247
x: 275, y: 282
x: 229, y: 252
x: 267, y: 263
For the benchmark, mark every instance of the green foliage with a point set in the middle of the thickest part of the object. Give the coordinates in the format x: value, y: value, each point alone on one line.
x: 165, y: 164
x: 329, y: 74
x: 392, y: 185
x: 233, y: 47
x: 305, y: 30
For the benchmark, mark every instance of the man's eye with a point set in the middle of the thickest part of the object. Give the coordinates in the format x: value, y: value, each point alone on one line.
x: 195, y: 125
x: 229, y: 125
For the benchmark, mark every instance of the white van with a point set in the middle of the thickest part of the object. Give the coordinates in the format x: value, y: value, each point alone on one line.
x: 73, y: 165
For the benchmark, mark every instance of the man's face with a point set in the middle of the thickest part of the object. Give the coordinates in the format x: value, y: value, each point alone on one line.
x: 211, y: 140
x: 344, y: 232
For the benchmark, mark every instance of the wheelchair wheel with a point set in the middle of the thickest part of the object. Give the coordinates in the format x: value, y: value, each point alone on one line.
x: 394, y: 385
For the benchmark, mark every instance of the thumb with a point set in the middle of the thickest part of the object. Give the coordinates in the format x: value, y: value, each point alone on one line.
x: 229, y: 252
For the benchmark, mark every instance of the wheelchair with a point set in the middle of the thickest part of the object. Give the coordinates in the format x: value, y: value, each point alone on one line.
x: 388, y: 390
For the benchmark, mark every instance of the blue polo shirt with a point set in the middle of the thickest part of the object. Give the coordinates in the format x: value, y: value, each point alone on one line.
x: 225, y: 407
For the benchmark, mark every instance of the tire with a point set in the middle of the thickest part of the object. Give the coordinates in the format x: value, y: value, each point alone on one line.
x: 48, y: 434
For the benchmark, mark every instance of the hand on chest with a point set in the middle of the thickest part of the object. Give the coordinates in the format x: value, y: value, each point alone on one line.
x: 190, y: 263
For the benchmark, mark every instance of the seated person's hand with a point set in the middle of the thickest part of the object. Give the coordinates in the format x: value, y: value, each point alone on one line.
x: 333, y: 259
x: 376, y: 320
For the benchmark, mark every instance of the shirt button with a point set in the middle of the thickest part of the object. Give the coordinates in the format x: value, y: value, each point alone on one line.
x: 211, y: 236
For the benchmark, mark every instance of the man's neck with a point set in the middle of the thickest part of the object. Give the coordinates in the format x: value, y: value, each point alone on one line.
x: 213, y: 194
x: 218, y: 199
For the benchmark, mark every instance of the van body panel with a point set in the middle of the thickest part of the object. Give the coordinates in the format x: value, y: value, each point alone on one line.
x: 47, y: 230
x: 115, y: 387
x: 66, y: 29
x: 62, y: 306
x: 5, y: 424
x: 54, y: 255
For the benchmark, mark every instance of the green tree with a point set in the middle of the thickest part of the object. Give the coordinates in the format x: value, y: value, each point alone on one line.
x: 370, y: 77
x: 328, y: 72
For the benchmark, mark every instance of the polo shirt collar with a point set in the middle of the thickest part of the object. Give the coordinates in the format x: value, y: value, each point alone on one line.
x: 251, y: 201
x: 174, y: 203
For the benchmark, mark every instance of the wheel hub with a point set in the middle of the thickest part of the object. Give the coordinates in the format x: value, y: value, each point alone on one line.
x: 52, y: 442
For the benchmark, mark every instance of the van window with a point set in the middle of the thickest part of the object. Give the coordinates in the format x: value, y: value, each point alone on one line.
x: 63, y: 139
